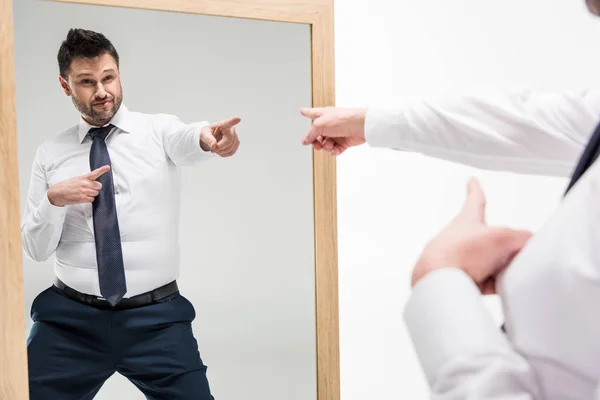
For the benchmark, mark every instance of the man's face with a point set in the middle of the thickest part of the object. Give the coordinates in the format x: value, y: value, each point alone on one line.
x: 594, y: 6
x: 95, y: 87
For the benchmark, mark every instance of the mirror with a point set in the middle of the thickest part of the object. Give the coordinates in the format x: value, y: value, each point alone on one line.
x: 255, y: 251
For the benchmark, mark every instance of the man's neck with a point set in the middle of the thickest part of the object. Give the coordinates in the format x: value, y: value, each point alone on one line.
x: 95, y: 123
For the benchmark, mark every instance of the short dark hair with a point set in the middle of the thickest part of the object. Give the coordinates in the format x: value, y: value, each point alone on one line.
x: 81, y: 43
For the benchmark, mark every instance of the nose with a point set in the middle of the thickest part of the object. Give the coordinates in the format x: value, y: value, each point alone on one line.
x: 100, y: 92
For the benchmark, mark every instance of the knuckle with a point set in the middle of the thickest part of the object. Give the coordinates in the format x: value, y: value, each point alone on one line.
x: 501, y: 235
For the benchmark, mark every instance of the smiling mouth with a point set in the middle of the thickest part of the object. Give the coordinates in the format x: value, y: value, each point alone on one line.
x: 102, y: 103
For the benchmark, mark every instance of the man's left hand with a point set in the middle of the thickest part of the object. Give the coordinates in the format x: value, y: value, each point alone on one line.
x: 221, y: 137
x: 469, y: 244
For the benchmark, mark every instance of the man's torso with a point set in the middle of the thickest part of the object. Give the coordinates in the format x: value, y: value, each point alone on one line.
x: 551, y: 292
x: 147, y: 190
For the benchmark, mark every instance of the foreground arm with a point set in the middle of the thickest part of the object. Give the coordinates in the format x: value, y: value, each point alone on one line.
x: 462, y: 351
x: 526, y: 132
x: 521, y: 131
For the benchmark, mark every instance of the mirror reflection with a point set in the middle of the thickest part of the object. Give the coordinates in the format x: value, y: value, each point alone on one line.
x: 167, y: 204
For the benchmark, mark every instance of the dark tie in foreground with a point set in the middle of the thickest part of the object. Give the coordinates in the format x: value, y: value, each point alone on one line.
x: 109, y: 255
x: 587, y: 158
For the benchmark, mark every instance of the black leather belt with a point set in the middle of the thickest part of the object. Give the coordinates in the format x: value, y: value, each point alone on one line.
x: 140, y: 300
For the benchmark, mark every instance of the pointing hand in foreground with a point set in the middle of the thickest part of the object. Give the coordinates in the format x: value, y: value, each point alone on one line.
x: 469, y: 244
x: 333, y: 129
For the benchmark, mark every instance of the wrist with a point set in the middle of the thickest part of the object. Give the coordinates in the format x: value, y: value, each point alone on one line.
x: 420, y: 274
x: 204, y: 136
x: 426, y: 265
x: 358, y: 120
x: 204, y: 146
x: 52, y: 198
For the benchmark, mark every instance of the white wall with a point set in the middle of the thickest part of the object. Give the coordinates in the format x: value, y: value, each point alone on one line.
x: 391, y: 203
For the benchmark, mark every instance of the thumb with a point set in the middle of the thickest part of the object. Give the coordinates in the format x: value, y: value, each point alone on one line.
x: 316, y: 128
x: 95, y: 174
x: 312, y: 113
x: 209, y: 140
x: 506, y: 244
x: 474, y: 207
x: 510, y: 240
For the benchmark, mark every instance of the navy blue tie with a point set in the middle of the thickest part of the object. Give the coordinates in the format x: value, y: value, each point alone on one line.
x: 109, y: 255
x: 589, y: 155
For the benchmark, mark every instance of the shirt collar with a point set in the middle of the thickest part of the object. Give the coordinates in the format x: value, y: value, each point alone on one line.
x: 121, y: 120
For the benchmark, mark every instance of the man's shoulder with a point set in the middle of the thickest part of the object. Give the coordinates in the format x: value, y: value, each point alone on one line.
x: 68, y: 136
x: 157, y: 122
x: 151, y: 116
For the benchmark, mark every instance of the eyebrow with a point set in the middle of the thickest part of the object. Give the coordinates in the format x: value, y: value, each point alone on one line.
x: 81, y: 75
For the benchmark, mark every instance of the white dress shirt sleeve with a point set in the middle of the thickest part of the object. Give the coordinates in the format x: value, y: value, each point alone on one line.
x: 519, y: 131
x: 462, y: 351
x: 42, y: 222
x: 181, y: 141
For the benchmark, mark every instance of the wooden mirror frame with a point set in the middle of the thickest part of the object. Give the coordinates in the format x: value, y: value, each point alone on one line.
x: 316, y: 13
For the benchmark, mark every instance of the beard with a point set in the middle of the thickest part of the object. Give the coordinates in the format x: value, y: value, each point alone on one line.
x: 97, y: 116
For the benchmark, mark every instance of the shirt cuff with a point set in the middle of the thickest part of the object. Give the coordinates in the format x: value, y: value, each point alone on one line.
x: 384, y: 128
x: 195, y: 130
x: 447, y: 318
x: 50, y: 213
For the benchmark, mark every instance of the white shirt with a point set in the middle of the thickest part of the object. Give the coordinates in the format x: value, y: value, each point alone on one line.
x: 521, y: 131
x: 146, y: 152
x: 551, y: 292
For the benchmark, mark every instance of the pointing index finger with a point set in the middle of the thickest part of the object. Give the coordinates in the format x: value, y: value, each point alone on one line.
x: 228, y: 123
x: 312, y: 113
x: 98, y: 172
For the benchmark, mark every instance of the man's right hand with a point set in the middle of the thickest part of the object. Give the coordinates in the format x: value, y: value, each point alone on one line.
x: 335, y: 129
x: 78, y: 190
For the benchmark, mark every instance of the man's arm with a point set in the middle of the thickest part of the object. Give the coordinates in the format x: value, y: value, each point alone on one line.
x: 462, y: 351
x: 42, y: 222
x: 181, y: 141
x: 520, y: 131
x: 525, y: 132
x: 190, y: 144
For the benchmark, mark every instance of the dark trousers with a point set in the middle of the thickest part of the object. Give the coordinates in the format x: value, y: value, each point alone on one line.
x: 73, y: 348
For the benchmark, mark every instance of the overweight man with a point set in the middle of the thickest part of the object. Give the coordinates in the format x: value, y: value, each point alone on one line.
x: 104, y: 199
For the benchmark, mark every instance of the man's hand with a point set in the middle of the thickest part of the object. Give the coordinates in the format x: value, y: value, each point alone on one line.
x: 78, y: 190
x: 335, y: 129
x: 469, y: 244
x: 221, y: 137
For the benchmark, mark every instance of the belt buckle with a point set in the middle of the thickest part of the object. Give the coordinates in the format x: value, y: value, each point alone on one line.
x: 88, y: 299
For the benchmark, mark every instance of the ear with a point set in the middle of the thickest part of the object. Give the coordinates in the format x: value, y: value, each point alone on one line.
x: 65, y: 85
